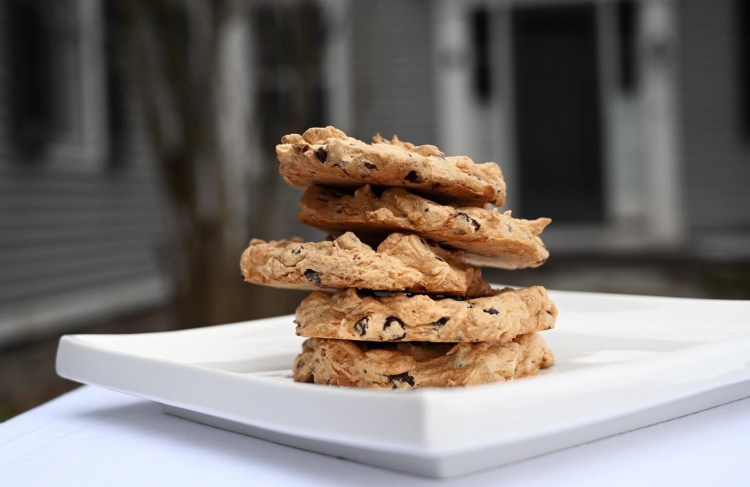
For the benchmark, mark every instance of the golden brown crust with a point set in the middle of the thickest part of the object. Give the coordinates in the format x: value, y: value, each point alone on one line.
x: 327, y: 156
x: 412, y: 365
x: 489, y: 237
x: 499, y: 316
x: 400, y: 263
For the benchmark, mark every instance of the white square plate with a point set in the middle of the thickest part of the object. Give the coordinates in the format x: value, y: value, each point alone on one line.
x: 623, y: 362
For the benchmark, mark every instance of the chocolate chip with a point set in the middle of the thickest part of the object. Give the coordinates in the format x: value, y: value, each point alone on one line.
x: 412, y: 177
x: 312, y: 276
x: 440, y: 323
x: 468, y: 219
x: 389, y: 321
x: 491, y: 310
x: 369, y: 165
x: 361, y: 326
x: 439, y: 258
x: 298, y: 250
x: 397, y: 379
x: 321, y: 154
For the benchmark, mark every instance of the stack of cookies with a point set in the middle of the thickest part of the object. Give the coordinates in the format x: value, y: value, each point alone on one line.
x: 398, y: 300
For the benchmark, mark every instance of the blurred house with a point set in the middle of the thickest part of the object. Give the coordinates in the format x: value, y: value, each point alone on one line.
x: 79, y: 211
x: 627, y: 122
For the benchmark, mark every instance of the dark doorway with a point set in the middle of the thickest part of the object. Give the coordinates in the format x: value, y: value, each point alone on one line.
x: 557, y: 113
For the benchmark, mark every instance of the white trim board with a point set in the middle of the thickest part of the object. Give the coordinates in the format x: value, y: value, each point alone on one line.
x: 60, y: 313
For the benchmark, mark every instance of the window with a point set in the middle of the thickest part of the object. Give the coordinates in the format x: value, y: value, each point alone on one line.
x: 53, y: 81
x: 743, y: 64
x: 480, y: 36
x: 289, y: 39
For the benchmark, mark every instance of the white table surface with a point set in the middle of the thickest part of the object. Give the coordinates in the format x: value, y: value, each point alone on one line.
x: 92, y: 436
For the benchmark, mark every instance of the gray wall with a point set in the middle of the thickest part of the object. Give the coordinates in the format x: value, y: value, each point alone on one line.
x: 63, y: 231
x: 392, y: 68
x: 76, y: 244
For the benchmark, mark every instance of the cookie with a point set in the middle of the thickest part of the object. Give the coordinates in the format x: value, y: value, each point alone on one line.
x: 400, y: 263
x: 328, y: 157
x: 489, y: 237
x: 419, y: 364
x: 361, y: 315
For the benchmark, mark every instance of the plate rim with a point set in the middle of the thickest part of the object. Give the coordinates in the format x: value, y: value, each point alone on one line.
x: 421, y: 438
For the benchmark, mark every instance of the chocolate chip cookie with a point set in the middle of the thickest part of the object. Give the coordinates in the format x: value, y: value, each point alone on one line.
x: 327, y: 156
x: 400, y: 263
x: 489, y: 237
x: 351, y: 314
x: 419, y: 364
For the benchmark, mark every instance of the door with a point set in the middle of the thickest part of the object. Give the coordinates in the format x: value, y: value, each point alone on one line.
x: 557, y: 112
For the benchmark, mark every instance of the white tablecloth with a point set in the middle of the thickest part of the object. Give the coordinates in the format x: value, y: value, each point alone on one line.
x: 97, y: 437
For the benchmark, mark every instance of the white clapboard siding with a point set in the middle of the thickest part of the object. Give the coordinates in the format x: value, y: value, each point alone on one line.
x: 392, y: 69
x: 73, y: 233
x: 77, y: 243
x: 715, y: 154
